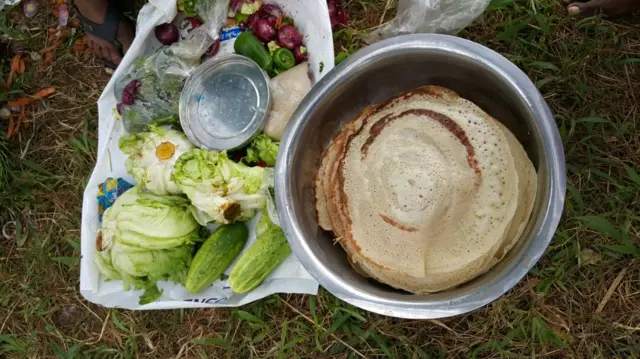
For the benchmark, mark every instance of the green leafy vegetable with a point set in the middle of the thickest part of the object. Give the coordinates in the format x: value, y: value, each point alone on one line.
x: 152, y: 156
x: 166, y: 121
x: 250, y: 8
x: 262, y: 148
x: 288, y: 21
x: 188, y: 6
x: 150, y: 295
x: 273, y: 46
x: 145, y: 238
x: 221, y: 191
x: 341, y: 57
x: 240, y: 17
x: 140, y: 269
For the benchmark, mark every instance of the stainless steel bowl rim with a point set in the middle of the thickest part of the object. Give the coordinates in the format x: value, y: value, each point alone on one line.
x: 429, y: 309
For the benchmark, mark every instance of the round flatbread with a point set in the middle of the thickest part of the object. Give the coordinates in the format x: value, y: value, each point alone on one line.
x: 324, y: 180
x: 527, y: 188
x: 423, y: 192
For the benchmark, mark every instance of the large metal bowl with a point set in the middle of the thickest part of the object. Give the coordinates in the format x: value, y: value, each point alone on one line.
x: 373, y: 75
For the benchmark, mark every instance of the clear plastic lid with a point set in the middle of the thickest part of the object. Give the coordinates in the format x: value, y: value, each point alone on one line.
x: 225, y: 102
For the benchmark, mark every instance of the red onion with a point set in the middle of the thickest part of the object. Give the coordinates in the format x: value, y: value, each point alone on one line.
x: 127, y: 99
x: 301, y: 56
x: 339, y: 17
x: 132, y: 86
x: 167, y: 33
x: 235, y: 4
x: 213, y: 49
x: 272, y: 20
x: 264, y: 31
x: 271, y: 10
x: 250, y: 23
x: 289, y: 37
x: 130, y: 91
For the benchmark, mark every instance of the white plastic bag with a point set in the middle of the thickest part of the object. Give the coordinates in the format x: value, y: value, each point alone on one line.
x: 199, y: 40
x: 8, y: 3
x: 312, y: 19
x: 151, y: 88
x: 430, y: 16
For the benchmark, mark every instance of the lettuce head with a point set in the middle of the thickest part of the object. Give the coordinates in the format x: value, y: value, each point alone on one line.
x: 220, y: 190
x: 145, y: 238
x: 152, y: 156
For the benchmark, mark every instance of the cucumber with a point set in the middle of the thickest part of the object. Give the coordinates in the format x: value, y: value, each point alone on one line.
x: 215, y: 255
x: 265, y: 255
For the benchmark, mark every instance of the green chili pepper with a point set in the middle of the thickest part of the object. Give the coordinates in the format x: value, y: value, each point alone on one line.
x: 284, y: 59
x: 247, y: 44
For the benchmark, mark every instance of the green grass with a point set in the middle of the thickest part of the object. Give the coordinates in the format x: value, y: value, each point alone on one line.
x: 581, y: 301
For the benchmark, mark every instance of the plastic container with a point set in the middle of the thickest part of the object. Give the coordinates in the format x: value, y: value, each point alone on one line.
x: 225, y: 103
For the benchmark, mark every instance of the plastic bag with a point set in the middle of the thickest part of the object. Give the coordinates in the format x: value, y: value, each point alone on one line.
x: 150, y: 89
x: 430, y: 16
x: 201, y: 39
x: 8, y: 3
x: 290, y: 277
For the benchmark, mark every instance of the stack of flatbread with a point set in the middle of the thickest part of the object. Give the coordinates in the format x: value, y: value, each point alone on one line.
x: 425, y: 191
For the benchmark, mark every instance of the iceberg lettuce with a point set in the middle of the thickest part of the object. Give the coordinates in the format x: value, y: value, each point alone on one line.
x: 152, y: 156
x: 145, y: 238
x: 221, y: 191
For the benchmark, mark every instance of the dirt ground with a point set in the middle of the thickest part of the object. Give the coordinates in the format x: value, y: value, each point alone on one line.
x: 581, y: 301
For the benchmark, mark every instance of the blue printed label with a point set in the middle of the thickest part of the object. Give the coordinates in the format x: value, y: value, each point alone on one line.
x: 229, y: 33
x: 209, y: 300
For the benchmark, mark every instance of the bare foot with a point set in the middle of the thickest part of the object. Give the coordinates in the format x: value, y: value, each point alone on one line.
x: 608, y: 8
x: 108, y: 49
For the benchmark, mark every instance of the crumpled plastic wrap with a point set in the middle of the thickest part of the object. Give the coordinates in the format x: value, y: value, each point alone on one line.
x: 430, y: 16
